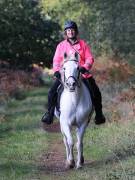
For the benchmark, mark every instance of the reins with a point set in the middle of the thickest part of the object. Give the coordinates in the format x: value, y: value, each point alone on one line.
x: 75, y: 49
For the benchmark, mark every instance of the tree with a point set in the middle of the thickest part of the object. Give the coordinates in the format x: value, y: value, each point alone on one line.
x: 107, y: 25
x: 26, y: 36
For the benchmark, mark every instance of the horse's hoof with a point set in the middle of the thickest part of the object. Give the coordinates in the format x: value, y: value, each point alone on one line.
x: 70, y: 164
x: 79, y: 166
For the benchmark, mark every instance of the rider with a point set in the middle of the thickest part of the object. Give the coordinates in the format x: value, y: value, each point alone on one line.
x: 73, y: 44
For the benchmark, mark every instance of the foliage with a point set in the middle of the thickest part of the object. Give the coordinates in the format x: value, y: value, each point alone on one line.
x: 26, y: 36
x: 107, y: 25
x: 30, y: 29
x: 115, y: 26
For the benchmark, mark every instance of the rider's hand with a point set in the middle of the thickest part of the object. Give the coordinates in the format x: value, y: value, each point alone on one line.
x: 83, y: 70
x: 57, y: 75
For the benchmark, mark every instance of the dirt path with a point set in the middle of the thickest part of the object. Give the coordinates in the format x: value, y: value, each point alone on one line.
x: 54, y: 159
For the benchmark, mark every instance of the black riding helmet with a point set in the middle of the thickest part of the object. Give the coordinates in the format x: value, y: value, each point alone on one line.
x: 71, y: 24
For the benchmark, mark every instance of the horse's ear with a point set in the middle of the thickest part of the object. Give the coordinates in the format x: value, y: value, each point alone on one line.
x: 65, y: 55
x: 76, y: 55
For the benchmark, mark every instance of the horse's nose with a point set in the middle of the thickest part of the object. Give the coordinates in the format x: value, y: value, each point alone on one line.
x: 72, y: 86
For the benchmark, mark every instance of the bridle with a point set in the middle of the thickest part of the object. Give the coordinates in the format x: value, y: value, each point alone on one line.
x: 76, y: 79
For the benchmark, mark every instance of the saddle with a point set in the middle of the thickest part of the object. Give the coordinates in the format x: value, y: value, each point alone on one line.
x: 61, y: 88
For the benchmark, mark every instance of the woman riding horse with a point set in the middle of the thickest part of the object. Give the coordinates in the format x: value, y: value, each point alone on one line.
x: 71, y: 45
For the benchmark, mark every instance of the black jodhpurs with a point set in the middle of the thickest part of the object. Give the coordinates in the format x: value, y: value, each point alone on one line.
x: 95, y: 96
x: 52, y: 96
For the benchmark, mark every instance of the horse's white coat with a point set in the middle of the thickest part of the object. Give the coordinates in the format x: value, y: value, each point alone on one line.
x: 76, y: 109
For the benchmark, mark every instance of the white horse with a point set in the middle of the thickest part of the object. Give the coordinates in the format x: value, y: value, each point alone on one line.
x: 75, y: 109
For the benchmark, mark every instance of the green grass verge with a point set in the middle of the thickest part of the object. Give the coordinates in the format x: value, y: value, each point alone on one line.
x: 22, y: 141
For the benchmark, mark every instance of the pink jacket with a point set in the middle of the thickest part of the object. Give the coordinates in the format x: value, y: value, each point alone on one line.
x: 86, y: 57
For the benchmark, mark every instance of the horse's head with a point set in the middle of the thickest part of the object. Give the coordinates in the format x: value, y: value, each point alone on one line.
x: 70, y: 71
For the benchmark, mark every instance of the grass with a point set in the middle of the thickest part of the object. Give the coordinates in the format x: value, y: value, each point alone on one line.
x: 108, y: 149
x: 22, y: 140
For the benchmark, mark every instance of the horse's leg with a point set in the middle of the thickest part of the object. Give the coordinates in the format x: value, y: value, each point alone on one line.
x: 80, y: 134
x: 66, y: 145
x: 68, y: 141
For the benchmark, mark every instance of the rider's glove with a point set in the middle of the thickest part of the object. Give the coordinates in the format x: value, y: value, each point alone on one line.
x: 57, y: 75
x: 83, y: 70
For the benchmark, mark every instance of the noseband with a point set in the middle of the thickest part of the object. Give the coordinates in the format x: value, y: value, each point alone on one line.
x: 75, y: 79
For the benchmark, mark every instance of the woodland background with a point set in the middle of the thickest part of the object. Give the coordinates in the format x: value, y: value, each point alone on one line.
x: 30, y: 29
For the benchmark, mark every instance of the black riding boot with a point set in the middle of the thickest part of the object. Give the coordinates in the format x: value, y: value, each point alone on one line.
x: 97, y: 101
x: 52, y: 99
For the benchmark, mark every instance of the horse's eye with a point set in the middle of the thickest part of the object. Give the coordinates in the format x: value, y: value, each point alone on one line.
x: 64, y: 68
